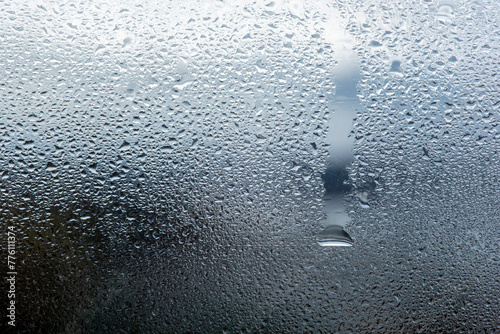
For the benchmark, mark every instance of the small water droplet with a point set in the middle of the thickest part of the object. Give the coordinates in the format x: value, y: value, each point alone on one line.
x: 363, y: 199
x: 125, y: 145
x: 51, y: 167
x: 396, y: 67
x: 127, y: 41
x: 444, y: 13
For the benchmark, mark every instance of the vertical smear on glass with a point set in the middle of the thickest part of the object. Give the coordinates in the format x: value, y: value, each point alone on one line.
x: 343, y: 106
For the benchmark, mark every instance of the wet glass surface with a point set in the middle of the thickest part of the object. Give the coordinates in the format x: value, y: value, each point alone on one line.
x: 175, y: 167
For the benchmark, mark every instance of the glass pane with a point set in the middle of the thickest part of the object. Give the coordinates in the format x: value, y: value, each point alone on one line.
x: 190, y: 166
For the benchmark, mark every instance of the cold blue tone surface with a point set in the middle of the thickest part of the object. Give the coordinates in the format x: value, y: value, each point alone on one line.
x: 166, y: 165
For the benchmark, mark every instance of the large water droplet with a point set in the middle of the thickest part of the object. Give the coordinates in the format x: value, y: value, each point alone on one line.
x: 334, y: 236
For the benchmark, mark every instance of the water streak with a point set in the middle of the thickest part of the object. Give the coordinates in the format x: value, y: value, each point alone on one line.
x: 343, y: 105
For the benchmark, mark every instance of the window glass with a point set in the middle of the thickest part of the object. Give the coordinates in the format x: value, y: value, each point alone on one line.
x: 177, y: 166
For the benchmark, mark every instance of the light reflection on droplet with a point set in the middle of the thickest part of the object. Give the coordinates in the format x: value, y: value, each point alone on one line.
x: 334, y: 235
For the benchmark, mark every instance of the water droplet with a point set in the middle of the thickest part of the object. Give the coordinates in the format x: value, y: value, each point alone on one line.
x: 125, y: 145
x: 334, y: 235
x: 127, y: 41
x: 445, y: 13
x: 396, y: 66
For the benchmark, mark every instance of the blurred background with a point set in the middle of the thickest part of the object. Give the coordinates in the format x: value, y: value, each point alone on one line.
x: 167, y: 165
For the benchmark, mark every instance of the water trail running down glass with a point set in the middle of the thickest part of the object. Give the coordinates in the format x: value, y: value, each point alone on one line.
x: 336, y: 178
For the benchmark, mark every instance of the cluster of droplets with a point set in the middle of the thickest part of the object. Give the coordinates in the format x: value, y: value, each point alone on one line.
x: 162, y: 164
x: 126, y: 136
x: 425, y: 165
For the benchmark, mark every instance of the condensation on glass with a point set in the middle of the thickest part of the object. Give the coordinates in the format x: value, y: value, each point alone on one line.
x: 170, y: 166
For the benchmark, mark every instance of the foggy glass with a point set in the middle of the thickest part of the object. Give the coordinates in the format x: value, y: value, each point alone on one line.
x: 177, y: 166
